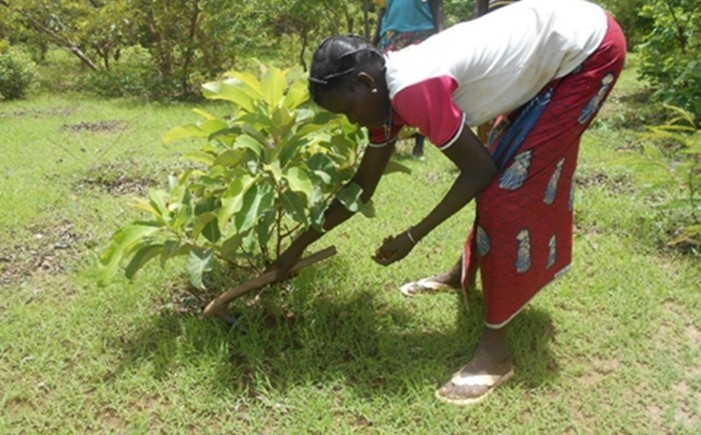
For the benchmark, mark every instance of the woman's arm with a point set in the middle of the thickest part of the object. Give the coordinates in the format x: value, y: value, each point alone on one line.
x: 477, y: 169
x: 372, y: 167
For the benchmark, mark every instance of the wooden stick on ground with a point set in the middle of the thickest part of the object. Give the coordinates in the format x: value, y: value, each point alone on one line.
x: 218, y: 305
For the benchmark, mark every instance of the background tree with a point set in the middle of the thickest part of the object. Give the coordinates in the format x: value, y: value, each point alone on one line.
x: 670, y: 53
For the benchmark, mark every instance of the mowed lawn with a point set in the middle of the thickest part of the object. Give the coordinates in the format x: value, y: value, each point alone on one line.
x: 612, y: 347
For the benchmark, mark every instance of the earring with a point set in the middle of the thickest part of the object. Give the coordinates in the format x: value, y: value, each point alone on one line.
x: 373, y: 90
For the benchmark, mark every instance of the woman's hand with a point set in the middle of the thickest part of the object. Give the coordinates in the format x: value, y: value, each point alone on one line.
x: 394, y: 248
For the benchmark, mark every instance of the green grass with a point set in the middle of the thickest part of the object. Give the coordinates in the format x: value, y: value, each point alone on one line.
x: 613, y: 347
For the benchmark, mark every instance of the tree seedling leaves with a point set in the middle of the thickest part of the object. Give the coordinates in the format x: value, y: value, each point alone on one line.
x: 232, y: 199
x: 273, y: 86
x: 231, y: 245
x: 228, y: 91
x: 264, y: 228
x: 349, y: 196
x: 294, y: 205
x: 256, y: 201
x: 323, y: 167
x: 142, y: 256
x: 297, y: 94
x: 298, y: 180
x: 201, y: 157
x: 249, y: 142
x: 249, y: 80
x: 203, y: 225
x: 274, y: 169
x: 199, y: 262
x: 187, y: 131
x: 229, y: 158
x: 123, y: 241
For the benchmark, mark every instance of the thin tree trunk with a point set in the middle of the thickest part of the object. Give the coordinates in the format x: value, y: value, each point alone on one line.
x: 62, y: 41
x: 185, y: 83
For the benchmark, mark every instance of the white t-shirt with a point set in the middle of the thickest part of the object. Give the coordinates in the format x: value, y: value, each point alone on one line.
x: 477, y: 70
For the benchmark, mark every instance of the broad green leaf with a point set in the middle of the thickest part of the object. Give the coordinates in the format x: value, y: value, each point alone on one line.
x: 298, y: 180
x: 248, y: 243
x: 323, y: 167
x: 323, y: 117
x: 225, y: 135
x: 181, y: 214
x: 249, y: 79
x: 122, y: 242
x: 203, y: 222
x: 248, y: 142
x: 258, y: 135
x: 229, y: 158
x: 310, y: 128
x: 187, y: 131
x: 274, y: 168
x: 294, y: 206
x: 158, y: 202
x: 199, y: 262
x: 283, y: 121
x: 214, y: 126
x: 289, y: 149
x: 145, y: 205
x: 203, y: 113
x: 349, y: 196
x: 256, y: 201
x: 273, y: 86
x: 264, y: 227
x: 316, y: 212
x: 227, y: 91
x: 142, y: 256
x: 173, y: 248
x: 199, y: 156
x: 232, y: 199
x: 296, y: 95
x: 231, y: 245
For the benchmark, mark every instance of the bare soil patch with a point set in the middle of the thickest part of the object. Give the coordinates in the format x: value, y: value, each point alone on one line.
x: 50, y: 251
x: 116, y: 179
x: 617, y: 184
x: 96, y: 127
x: 35, y: 114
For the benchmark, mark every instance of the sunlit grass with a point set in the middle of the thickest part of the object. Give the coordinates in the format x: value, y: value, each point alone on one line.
x: 613, y: 347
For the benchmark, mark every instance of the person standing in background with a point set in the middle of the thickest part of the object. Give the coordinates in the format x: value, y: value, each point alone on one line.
x: 401, y: 23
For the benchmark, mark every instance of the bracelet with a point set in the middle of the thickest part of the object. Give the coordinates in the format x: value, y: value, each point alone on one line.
x: 411, y: 237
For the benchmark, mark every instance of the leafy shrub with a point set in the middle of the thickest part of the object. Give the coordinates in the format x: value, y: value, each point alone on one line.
x: 670, y: 164
x: 132, y: 75
x: 671, y: 53
x: 263, y: 173
x: 17, y: 73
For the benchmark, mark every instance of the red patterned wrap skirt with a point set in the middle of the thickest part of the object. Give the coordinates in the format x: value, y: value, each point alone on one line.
x: 522, y: 236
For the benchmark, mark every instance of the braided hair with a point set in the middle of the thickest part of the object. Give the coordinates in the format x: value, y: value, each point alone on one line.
x: 336, y: 58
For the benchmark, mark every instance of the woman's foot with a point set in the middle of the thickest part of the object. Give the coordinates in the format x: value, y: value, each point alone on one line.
x: 491, y: 366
